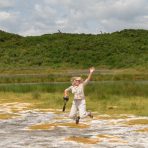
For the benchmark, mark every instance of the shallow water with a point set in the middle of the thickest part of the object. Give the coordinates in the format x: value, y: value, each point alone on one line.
x: 51, y: 128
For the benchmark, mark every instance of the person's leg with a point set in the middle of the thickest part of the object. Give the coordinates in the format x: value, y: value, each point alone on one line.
x: 82, y: 110
x: 73, y: 110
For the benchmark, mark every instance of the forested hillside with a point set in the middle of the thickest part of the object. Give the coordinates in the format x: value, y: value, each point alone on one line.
x: 124, y: 49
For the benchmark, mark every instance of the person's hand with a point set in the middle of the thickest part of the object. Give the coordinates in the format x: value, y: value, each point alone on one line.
x: 92, y: 69
x: 66, y: 98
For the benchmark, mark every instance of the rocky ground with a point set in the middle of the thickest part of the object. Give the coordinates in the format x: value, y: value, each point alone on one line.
x: 23, y: 127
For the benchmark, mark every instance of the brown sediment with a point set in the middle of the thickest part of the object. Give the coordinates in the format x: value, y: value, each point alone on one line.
x: 48, y: 110
x: 14, y: 107
x: 138, y: 121
x: 107, y: 117
x: 48, y: 126
x: 106, y: 136
x: 111, y: 138
x: 16, y: 110
x: 73, y: 125
x: 7, y: 116
x: 43, y: 126
x: 84, y: 140
x: 142, y: 130
x: 117, y: 141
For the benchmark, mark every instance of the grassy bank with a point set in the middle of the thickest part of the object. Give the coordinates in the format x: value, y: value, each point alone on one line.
x: 40, y: 75
x: 104, y: 97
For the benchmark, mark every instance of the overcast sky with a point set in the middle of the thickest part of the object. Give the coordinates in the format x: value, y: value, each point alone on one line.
x: 36, y: 17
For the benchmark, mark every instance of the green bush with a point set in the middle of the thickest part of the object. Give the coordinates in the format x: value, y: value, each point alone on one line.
x: 124, y: 49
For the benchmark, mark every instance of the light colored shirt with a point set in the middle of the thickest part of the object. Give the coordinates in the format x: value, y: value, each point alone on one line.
x: 78, y: 91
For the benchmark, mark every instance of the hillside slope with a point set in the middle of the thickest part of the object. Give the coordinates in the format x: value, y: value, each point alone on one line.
x: 124, y: 49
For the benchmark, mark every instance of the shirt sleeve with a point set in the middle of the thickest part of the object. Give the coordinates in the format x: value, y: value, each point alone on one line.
x: 69, y: 88
x: 85, y: 82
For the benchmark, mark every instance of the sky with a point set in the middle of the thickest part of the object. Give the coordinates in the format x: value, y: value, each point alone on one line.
x: 37, y: 17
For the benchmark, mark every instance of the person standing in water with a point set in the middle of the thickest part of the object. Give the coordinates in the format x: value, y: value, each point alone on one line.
x: 79, y: 102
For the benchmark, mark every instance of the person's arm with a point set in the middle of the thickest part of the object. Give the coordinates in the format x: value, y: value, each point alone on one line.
x: 91, y: 70
x: 66, y: 91
x: 66, y: 97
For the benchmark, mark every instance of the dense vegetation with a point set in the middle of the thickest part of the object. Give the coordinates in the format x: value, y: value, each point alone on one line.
x: 124, y: 49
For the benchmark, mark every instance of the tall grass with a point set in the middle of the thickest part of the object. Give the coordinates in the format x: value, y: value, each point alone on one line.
x: 97, y: 90
x: 40, y: 78
x: 24, y: 88
x: 104, y: 97
x: 103, y: 90
x: 118, y: 97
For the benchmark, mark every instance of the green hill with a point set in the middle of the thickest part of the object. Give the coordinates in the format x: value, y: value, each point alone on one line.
x: 124, y: 49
